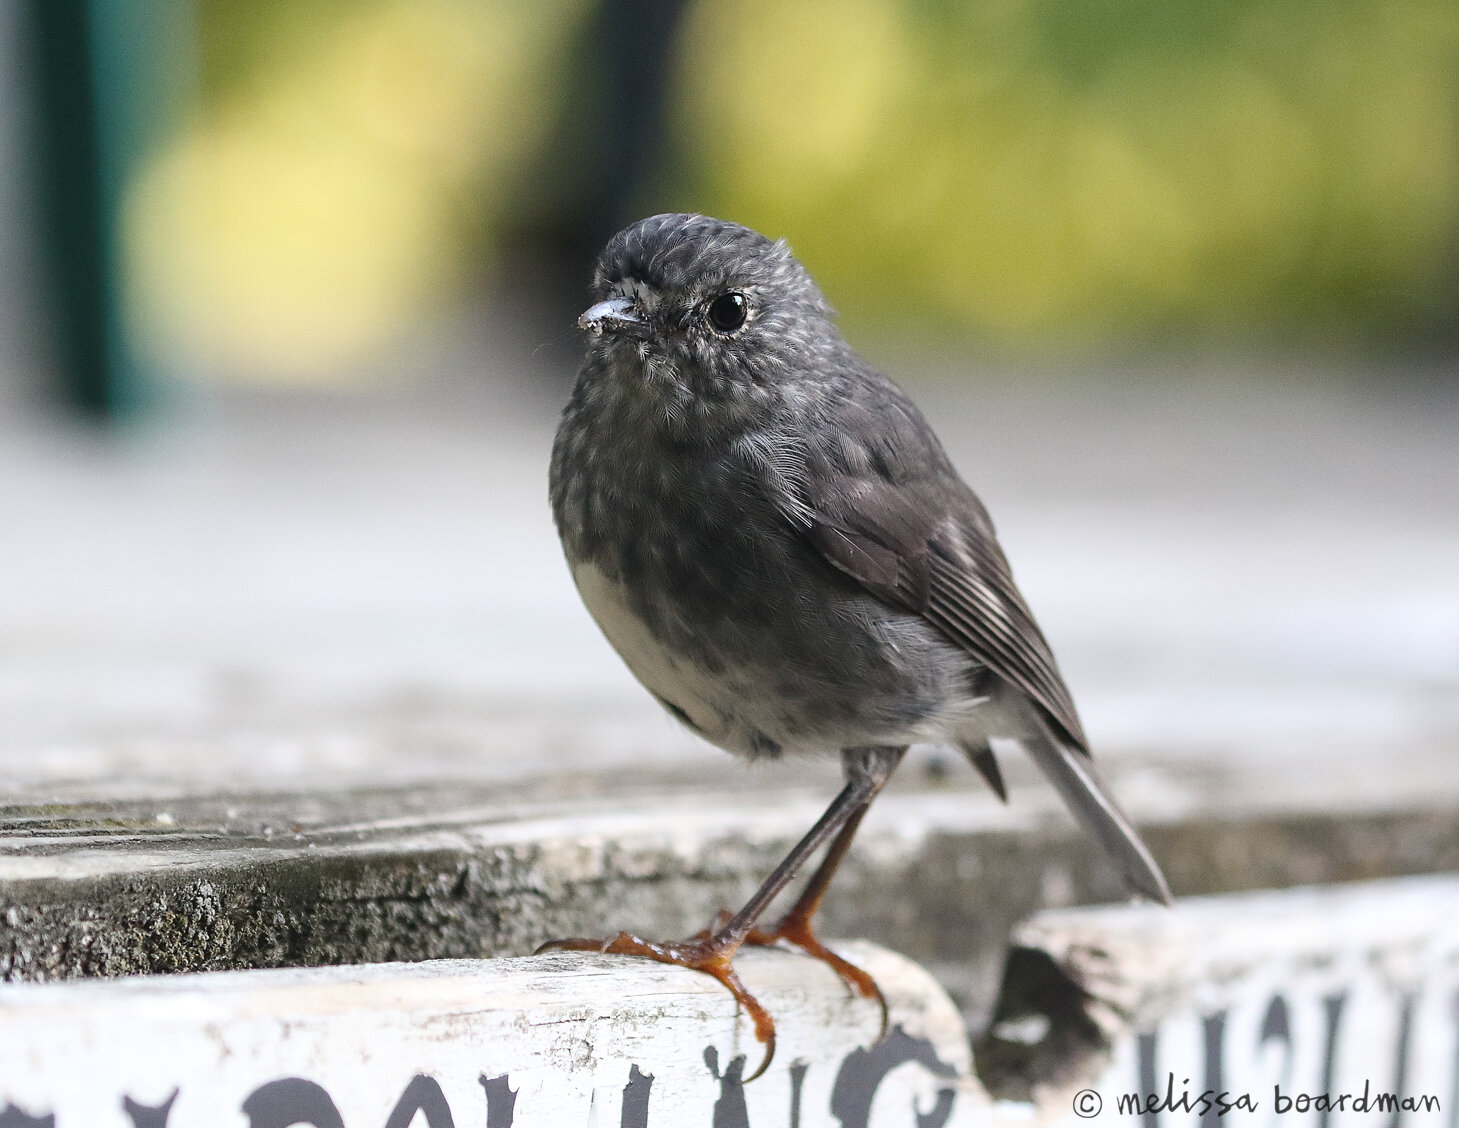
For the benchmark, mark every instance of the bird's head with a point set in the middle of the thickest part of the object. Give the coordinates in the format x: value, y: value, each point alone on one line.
x: 700, y: 312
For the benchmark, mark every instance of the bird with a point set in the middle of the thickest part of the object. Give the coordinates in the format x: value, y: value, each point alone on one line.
x: 772, y: 537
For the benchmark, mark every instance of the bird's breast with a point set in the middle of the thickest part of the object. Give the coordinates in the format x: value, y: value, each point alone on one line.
x: 730, y: 617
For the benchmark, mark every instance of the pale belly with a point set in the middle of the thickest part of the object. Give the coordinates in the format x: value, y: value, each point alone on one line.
x: 758, y: 708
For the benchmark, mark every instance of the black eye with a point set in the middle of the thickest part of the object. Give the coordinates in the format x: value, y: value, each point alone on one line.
x: 728, y: 312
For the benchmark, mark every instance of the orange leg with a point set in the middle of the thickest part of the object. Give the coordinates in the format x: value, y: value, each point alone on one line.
x: 795, y: 926
x: 867, y: 770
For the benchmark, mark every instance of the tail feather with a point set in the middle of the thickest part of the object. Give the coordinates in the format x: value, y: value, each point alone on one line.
x: 1074, y: 777
x: 982, y: 758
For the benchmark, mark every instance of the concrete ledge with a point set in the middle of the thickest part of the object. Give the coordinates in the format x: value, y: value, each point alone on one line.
x: 940, y: 874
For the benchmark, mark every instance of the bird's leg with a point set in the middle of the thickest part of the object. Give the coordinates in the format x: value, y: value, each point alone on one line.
x: 711, y: 952
x: 795, y: 926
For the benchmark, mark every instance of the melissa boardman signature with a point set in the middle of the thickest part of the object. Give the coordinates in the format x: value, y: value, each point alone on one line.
x: 1087, y: 1103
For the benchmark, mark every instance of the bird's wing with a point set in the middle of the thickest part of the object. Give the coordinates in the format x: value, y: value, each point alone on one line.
x: 906, y: 545
x: 926, y: 545
x: 880, y: 502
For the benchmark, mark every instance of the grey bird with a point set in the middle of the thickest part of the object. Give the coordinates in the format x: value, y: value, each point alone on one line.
x: 770, y: 534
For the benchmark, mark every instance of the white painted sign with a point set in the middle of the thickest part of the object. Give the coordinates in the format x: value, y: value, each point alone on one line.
x: 562, y: 1039
x: 1335, y: 1007
x: 1331, y: 1007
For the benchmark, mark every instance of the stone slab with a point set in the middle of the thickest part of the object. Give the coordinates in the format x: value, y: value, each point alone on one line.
x: 941, y: 874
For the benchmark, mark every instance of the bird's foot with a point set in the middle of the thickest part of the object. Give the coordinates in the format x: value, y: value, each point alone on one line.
x: 796, y: 930
x: 705, y: 952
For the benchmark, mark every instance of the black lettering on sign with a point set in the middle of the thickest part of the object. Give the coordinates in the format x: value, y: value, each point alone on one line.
x: 863, y: 1071
x: 12, y: 1117
x: 1400, y: 1064
x: 941, y: 1110
x: 1332, y: 1005
x: 797, y: 1083
x: 501, y: 1101
x: 1214, y: 1029
x: 1454, y: 1100
x: 1276, y: 1026
x: 729, y: 1109
x: 146, y: 1116
x: 635, y: 1099
x: 290, y: 1101
x: 423, y: 1094
x: 1145, y: 1047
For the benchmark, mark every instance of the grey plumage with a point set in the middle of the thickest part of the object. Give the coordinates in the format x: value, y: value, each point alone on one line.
x: 771, y: 535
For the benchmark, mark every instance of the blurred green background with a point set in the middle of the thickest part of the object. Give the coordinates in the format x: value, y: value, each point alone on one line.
x: 1023, y: 176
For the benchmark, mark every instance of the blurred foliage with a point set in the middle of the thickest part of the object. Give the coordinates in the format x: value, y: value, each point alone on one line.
x: 1035, y: 172
x: 346, y: 164
x: 1038, y: 170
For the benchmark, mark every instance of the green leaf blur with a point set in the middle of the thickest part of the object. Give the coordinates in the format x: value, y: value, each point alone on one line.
x: 1035, y: 174
x: 1040, y: 171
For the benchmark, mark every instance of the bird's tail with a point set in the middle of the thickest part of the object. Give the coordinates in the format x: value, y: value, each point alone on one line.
x: 1073, y: 776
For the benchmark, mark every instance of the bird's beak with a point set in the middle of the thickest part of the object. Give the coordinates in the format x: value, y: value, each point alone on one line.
x: 616, y: 315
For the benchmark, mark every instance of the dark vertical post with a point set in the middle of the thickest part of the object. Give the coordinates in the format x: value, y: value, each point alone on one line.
x: 636, y: 38
x: 610, y: 141
x: 105, y: 76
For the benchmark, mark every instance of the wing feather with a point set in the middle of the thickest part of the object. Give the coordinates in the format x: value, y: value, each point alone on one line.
x: 899, y: 543
x: 881, y: 503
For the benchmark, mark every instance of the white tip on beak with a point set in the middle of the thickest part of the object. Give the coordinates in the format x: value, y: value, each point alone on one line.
x: 616, y: 315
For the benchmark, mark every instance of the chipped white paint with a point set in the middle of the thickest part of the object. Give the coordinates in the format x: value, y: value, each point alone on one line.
x: 549, y: 1041
x: 1328, y: 992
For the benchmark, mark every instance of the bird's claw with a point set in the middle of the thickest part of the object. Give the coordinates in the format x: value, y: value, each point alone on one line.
x: 797, y: 931
x: 704, y: 952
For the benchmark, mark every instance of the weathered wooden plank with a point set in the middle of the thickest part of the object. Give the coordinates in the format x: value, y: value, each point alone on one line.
x: 939, y: 873
x: 1340, y: 1001
x: 548, y: 1041
x: 1270, y: 1003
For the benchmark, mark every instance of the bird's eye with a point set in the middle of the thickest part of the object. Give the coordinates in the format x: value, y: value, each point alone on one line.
x: 728, y: 312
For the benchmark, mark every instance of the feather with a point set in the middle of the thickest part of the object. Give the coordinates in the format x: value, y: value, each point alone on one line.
x: 987, y: 765
x: 923, y: 547
x: 912, y: 533
x: 1074, y: 778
